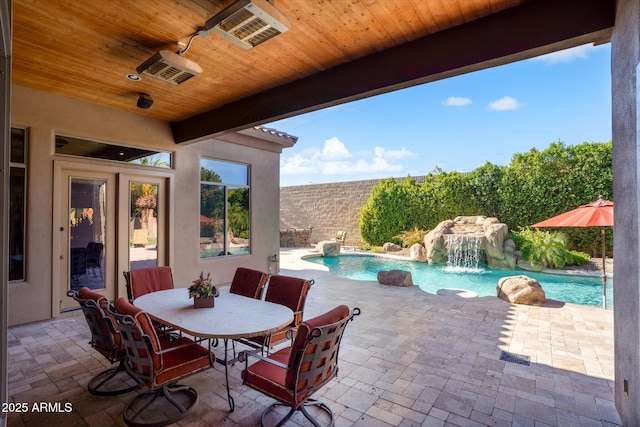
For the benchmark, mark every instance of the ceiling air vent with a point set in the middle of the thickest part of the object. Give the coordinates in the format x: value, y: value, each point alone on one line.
x: 248, y: 23
x: 169, y: 67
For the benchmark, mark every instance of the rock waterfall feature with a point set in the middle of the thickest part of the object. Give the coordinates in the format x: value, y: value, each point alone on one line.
x: 466, y: 237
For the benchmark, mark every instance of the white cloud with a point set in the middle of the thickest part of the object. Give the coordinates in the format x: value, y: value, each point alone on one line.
x: 504, y: 104
x: 335, y: 159
x: 335, y: 149
x: 456, y: 101
x: 565, y: 56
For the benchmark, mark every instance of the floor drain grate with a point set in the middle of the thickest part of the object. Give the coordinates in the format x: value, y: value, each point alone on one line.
x: 520, y: 359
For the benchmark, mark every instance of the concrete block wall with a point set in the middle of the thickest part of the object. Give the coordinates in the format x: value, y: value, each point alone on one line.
x: 328, y: 208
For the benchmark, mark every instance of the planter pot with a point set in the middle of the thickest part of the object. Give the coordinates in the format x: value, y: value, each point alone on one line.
x: 207, y: 302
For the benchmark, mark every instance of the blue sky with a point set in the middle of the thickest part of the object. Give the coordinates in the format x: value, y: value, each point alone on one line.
x: 455, y: 124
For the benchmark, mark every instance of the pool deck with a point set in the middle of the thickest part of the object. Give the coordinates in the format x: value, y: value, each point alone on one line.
x: 410, y: 359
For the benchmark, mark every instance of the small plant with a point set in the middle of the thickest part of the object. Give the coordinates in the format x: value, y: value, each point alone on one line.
x: 544, y: 248
x: 411, y: 237
x: 365, y: 248
x: 378, y: 250
x: 202, y: 287
x: 579, y: 258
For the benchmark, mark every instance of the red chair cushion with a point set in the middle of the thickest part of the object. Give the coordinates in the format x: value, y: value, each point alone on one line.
x: 185, y: 361
x: 147, y: 280
x: 247, y: 282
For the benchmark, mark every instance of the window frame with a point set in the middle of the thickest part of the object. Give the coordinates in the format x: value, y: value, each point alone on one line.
x: 13, y: 166
x: 227, y: 188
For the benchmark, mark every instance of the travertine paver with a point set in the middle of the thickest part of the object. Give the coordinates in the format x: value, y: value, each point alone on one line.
x: 410, y: 359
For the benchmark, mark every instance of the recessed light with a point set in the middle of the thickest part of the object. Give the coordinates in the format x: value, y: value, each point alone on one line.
x: 133, y: 77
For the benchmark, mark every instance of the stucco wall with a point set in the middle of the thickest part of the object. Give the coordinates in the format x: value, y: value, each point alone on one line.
x: 329, y: 208
x: 45, y: 115
x: 625, y: 53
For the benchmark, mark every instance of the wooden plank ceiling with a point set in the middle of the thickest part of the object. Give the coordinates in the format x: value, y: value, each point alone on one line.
x: 84, y: 48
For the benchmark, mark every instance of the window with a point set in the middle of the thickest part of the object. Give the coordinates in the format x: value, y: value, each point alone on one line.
x: 100, y: 150
x: 224, y: 208
x: 17, y: 197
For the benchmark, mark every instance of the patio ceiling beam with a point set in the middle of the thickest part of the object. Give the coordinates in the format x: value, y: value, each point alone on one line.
x: 528, y: 30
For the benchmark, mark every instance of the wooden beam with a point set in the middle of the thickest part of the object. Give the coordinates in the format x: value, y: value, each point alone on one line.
x: 531, y: 29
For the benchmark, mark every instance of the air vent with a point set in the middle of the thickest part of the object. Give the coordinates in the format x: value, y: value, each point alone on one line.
x: 169, y: 67
x: 248, y: 23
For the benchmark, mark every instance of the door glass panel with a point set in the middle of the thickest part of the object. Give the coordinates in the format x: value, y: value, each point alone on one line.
x: 87, y: 233
x: 143, y: 225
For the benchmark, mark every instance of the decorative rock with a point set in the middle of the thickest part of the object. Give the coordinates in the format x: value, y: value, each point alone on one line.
x: 520, y: 290
x: 499, y: 251
x: 395, y: 278
x: 418, y: 253
x: 391, y: 247
x: 328, y: 248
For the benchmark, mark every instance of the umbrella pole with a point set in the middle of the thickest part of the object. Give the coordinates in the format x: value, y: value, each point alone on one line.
x: 604, y: 270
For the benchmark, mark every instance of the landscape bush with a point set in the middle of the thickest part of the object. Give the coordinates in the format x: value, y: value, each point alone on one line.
x: 536, y: 185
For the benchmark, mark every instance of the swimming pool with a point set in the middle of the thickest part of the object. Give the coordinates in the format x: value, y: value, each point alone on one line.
x: 483, y: 281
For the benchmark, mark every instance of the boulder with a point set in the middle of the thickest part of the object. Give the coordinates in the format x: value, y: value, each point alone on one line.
x: 391, y: 247
x: 521, y: 290
x: 395, y: 278
x: 418, y: 253
x: 328, y: 248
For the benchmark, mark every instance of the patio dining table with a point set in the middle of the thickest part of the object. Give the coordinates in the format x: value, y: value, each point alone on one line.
x: 232, y: 317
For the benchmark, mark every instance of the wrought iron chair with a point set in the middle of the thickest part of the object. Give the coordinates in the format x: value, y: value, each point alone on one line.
x: 291, y: 236
x: 291, y: 375
x: 248, y: 282
x: 105, y: 338
x: 94, y: 257
x: 290, y: 292
x: 160, y: 365
x: 146, y: 280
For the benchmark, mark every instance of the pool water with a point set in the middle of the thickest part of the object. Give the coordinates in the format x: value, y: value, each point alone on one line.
x: 483, y: 281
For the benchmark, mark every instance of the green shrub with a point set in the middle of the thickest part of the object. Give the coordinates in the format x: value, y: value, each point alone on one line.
x: 378, y: 250
x: 547, y: 249
x: 579, y: 258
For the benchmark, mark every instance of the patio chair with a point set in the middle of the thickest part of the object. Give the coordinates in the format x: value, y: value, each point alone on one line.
x: 341, y: 236
x: 94, y: 257
x: 290, y: 292
x: 105, y: 338
x: 293, y: 374
x: 160, y: 365
x: 291, y: 237
x: 146, y: 280
x: 248, y: 282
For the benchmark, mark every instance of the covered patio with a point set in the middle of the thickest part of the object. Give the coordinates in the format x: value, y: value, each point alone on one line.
x: 409, y: 359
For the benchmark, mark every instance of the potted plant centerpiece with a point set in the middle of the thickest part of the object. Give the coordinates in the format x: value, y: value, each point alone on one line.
x: 203, y: 292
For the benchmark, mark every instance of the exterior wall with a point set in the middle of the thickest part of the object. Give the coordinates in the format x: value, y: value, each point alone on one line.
x: 329, y: 208
x: 45, y: 115
x: 625, y: 55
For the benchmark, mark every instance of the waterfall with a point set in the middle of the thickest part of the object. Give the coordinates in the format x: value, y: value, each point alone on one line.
x: 463, y: 253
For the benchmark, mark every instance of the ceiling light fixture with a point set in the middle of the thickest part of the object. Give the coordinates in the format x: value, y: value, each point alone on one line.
x: 248, y: 23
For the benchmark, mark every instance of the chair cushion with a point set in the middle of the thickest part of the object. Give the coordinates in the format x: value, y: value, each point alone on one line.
x: 270, y: 379
x: 182, y: 362
x: 248, y: 282
x: 147, y: 280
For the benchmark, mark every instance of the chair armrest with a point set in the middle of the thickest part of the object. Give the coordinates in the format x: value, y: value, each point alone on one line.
x: 243, y: 356
x: 178, y: 347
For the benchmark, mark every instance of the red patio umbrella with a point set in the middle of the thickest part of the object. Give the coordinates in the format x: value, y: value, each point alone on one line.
x: 596, y: 214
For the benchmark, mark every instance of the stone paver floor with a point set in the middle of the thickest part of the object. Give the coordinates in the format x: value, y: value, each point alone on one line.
x: 410, y: 359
